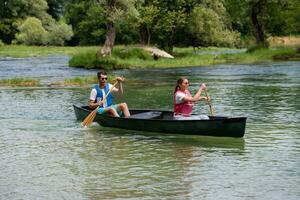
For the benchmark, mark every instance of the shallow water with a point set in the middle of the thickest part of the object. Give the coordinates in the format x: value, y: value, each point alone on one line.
x: 46, y: 154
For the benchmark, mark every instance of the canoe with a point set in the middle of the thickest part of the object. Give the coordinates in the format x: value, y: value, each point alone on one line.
x: 162, y: 121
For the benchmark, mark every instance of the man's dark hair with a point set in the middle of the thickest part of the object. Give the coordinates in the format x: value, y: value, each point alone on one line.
x: 101, y: 73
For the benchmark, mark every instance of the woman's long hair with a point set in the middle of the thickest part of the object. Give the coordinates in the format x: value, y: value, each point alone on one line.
x: 179, y: 82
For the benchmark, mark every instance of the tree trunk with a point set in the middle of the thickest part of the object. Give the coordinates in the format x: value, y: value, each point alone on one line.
x: 109, y: 41
x: 143, y: 35
x: 256, y: 10
x: 110, y: 30
x: 149, y: 36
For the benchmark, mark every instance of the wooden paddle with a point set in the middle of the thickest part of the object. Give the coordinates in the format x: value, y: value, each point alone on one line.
x: 90, y: 118
x: 209, y: 104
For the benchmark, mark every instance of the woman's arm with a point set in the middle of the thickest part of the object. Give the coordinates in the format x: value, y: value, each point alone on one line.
x: 197, y: 96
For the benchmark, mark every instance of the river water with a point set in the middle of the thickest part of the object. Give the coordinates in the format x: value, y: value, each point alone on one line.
x: 46, y: 154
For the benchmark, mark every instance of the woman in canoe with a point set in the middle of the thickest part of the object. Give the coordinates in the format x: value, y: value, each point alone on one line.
x: 106, y: 104
x: 184, y: 101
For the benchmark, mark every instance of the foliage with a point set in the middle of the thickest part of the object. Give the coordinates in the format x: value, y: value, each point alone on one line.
x: 59, y: 33
x: 129, y: 53
x: 55, y: 8
x: 184, y: 57
x: 18, y: 51
x: 91, y: 60
x: 163, y: 23
x: 78, y: 81
x: 32, y: 32
x: 274, y: 17
x: 208, y: 29
x: 14, y: 14
x: 20, y: 82
x: 87, y: 21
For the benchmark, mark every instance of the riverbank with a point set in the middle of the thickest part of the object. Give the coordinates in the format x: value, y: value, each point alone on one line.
x: 21, y: 51
x: 129, y: 58
x: 126, y: 57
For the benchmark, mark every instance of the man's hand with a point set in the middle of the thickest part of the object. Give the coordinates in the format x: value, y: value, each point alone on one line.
x: 120, y: 79
x: 101, y: 102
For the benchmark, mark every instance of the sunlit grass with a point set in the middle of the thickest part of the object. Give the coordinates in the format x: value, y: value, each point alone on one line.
x: 17, y: 82
x: 130, y: 57
x: 19, y: 51
x: 77, y: 81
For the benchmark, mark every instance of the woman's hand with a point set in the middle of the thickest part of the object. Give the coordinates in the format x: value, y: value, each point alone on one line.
x: 207, y: 99
x: 202, y: 87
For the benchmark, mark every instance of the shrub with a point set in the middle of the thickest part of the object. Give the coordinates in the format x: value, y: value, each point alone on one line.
x: 90, y: 60
x: 59, y: 33
x: 133, y: 53
x: 31, y: 32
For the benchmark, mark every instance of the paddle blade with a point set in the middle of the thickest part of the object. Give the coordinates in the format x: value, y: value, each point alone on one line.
x: 90, y: 118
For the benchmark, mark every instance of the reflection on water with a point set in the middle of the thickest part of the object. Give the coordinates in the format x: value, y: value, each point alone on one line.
x: 46, y: 154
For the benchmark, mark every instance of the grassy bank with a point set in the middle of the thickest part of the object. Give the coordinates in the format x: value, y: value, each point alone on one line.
x: 20, y: 51
x: 20, y: 82
x: 130, y: 57
x: 124, y: 58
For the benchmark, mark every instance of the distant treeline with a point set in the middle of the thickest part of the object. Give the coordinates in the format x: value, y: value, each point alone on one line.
x: 165, y: 23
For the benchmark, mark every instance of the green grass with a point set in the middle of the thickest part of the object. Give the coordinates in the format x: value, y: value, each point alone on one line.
x: 20, y: 82
x: 132, y: 57
x: 260, y: 55
x: 183, y: 57
x: 19, y: 51
x: 77, y: 81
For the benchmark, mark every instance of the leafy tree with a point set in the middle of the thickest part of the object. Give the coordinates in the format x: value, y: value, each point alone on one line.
x: 207, y: 27
x: 114, y: 12
x: 58, y: 33
x: 87, y: 21
x: 21, y: 13
x: 56, y: 8
x: 159, y: 21
x: 146, y: 21
x: 32, y: 32
x: 261, y: 18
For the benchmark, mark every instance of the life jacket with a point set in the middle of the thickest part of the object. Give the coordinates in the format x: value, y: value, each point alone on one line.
x: 109, y: 98
x: 185, y: 108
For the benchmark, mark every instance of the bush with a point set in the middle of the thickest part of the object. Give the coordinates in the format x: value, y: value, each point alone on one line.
x: 210, y: 29
x: 59, y: 33
x: 133, y: 53
x: 1, y: 43
x: 90, y: 60
x: 255, y: 48
x: 31, y: 32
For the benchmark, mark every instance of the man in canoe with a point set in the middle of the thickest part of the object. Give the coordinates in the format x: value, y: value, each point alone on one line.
x: 101, y: 95
x: 184, y: 101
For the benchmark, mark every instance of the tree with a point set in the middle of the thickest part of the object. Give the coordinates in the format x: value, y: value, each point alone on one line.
x: 22, y: 13
x: 257, y: 11
x: 58, y: 33
x: 32, y: 32
x: 146, y: 21
x: 87, y: 20
x: 206, y: 27
x: 261, y: 18
x: 114, y: 12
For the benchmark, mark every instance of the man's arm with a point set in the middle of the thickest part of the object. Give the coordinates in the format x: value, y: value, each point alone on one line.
x: 91, y: 102
x: 119, y: 87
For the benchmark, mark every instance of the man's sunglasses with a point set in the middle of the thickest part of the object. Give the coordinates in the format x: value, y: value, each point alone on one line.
x: 104, y: 79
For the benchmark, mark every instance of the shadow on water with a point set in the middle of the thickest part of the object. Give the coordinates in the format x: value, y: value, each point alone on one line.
x: 190, y: 140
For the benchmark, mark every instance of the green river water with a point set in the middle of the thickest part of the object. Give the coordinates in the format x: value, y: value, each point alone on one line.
x: 46, y: 154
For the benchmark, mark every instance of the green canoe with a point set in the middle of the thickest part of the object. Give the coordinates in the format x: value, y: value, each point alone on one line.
x: 162, y: 121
